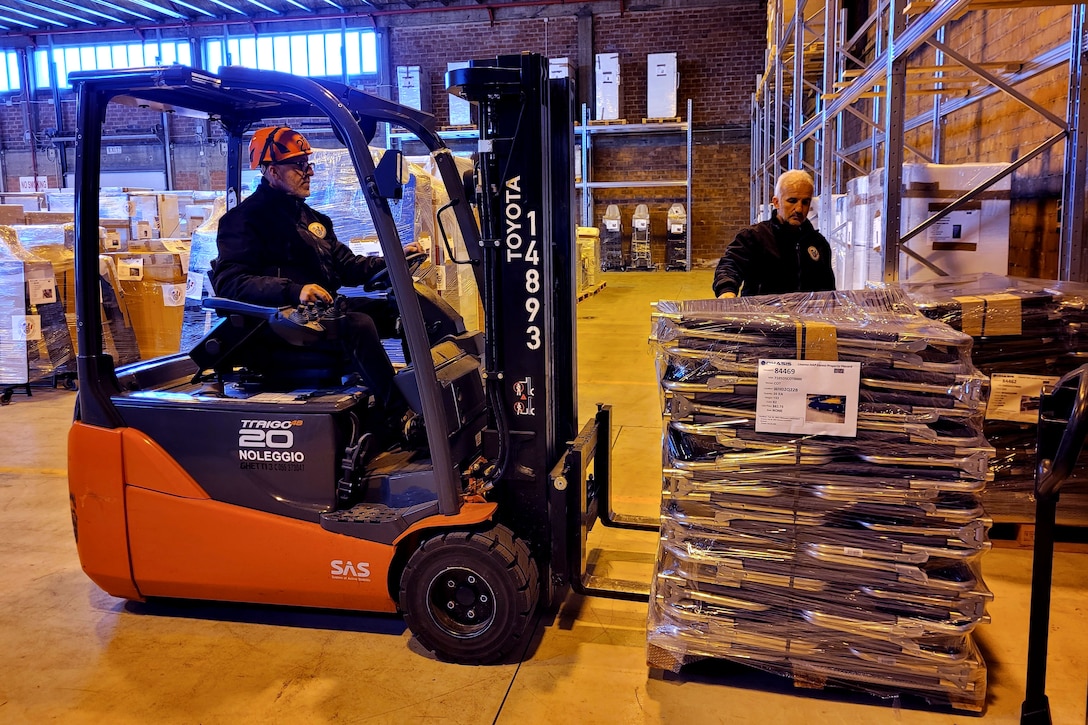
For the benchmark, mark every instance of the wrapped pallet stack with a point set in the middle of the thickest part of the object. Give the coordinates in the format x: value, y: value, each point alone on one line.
x: 821, y: 514
x: 1027, y: 333
x: 35, y: 343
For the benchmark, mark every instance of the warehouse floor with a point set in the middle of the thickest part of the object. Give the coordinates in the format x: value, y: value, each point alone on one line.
x: 70, y: 653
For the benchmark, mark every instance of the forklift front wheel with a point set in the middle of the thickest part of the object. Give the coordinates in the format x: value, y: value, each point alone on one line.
x: 469, y: 596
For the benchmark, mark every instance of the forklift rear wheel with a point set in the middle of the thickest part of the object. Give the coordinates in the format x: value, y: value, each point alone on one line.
x: 469, y: 596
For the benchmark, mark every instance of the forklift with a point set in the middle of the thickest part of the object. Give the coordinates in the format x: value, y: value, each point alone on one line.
x: 217, y: 474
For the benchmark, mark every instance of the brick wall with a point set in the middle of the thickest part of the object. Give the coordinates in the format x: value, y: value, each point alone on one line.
x: 720, y: 49
x: 432, y: 47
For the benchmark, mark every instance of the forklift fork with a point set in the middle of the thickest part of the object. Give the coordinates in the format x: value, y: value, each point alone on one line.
x: 585, y: 498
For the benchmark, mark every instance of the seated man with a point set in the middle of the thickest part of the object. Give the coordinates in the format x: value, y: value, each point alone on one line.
x: 274, y: 250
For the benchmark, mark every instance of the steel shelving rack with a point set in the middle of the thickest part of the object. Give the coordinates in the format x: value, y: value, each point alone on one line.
x: 820, y: 107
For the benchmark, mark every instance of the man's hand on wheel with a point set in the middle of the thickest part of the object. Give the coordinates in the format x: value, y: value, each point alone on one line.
x: 314, y: 293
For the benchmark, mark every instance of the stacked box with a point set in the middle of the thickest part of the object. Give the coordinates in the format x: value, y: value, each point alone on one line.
x: 197, y: 321
x: 152, y: 289
x: 30, y: 201
x: 834, y: 230
x: 53, y: 243
x: 864, y: 243
x: 1027, y: 333
x: 821, y: 514
x: 607, y: 77
x: 457, y: 282
x: 589, y: 256
x: 662, y: 80
x: 335, y: 191
x: 974, y: 239
x: 560, y: 68
x: 160, y: 213
x: 12, y: 214
x: 34, y: 335
x: 118, y: 335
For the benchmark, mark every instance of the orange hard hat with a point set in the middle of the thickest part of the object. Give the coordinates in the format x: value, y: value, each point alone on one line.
x: 273, y: 144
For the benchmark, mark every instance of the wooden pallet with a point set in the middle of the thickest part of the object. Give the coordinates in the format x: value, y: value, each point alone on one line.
x: 590, y: 291
x: 671, y: 119
x: 609, y: 122
x: 667, y: 665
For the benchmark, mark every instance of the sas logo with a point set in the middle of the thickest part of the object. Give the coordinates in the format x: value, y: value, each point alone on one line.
x: 346, y: 571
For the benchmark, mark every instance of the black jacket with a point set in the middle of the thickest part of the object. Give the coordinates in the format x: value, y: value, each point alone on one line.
x: 772, y: 257
x: 271, y: 246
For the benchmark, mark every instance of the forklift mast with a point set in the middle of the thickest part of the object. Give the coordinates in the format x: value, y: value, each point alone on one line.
x: 526, y: 189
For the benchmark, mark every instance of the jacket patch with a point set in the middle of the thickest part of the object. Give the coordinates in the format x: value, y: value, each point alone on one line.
x: 814, y: 253
x: 318, y: 230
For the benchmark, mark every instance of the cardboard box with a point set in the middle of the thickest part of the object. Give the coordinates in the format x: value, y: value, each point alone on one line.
x: 49, y: 217
x: 971, y: 240
x: 53, y: 243
x: 460, y: 109
x: 834, y: 231
x: 12, y: 214
x: 152, y: 286
x: 863, y: 235
x: 29, y: 201
x: 34, y: 338
x: 60, y: 200
x: 159, y: 210
x: 195, y: 215
x: 409, y: 89
x: 662, y: 80
x: 608, y: 86
x: 560, y: 68
x: 115, y: 234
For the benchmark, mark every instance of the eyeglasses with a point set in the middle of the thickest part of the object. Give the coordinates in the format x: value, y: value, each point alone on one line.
x: 303, y: 167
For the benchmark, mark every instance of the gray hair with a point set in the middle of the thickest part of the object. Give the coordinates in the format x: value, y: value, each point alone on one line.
x: 790, y: 177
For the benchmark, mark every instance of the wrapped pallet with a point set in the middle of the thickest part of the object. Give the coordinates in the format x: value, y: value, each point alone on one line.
x: 589, y: 257
x: 821, y: 515
x: 1027, y: 333
x: 34, y: 336
x: 152, y: 288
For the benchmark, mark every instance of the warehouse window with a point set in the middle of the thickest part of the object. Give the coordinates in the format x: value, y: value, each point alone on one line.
x: 107, y: 57
x: 9, y: 72
x: 304, y: 54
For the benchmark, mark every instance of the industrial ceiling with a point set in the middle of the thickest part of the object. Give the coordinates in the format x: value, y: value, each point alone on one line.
x: 55, y: 17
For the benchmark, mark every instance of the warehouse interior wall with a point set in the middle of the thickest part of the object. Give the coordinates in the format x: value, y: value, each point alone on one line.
x: 720, y: 48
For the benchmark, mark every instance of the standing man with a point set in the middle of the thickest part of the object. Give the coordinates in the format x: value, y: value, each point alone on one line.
x: 275, y: 250
x: 783, y: 254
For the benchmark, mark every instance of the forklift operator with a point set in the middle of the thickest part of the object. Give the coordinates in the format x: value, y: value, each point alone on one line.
x: 275, y: 250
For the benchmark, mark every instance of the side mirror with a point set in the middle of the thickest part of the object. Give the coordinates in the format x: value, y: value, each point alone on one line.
x: 390, y: 174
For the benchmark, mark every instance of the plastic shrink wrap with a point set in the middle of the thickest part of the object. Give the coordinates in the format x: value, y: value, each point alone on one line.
x: 850, y: 560
x: 34, y: 340
x: 1027, y: 332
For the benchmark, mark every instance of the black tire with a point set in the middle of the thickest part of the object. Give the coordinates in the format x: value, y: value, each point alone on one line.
x: 469, y: 596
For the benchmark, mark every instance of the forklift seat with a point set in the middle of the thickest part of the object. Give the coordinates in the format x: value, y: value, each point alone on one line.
x: 244, y: 346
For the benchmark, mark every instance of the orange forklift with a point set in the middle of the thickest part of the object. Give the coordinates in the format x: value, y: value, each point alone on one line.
x: 222, y: 473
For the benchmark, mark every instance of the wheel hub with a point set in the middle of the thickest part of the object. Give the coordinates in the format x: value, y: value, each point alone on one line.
x: 461, y: 602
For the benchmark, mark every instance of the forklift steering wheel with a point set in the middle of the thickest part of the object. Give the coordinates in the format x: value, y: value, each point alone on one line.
x: 380, y: 280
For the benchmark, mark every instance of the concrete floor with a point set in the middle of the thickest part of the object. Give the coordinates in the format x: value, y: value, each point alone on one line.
x: 70, y: 653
